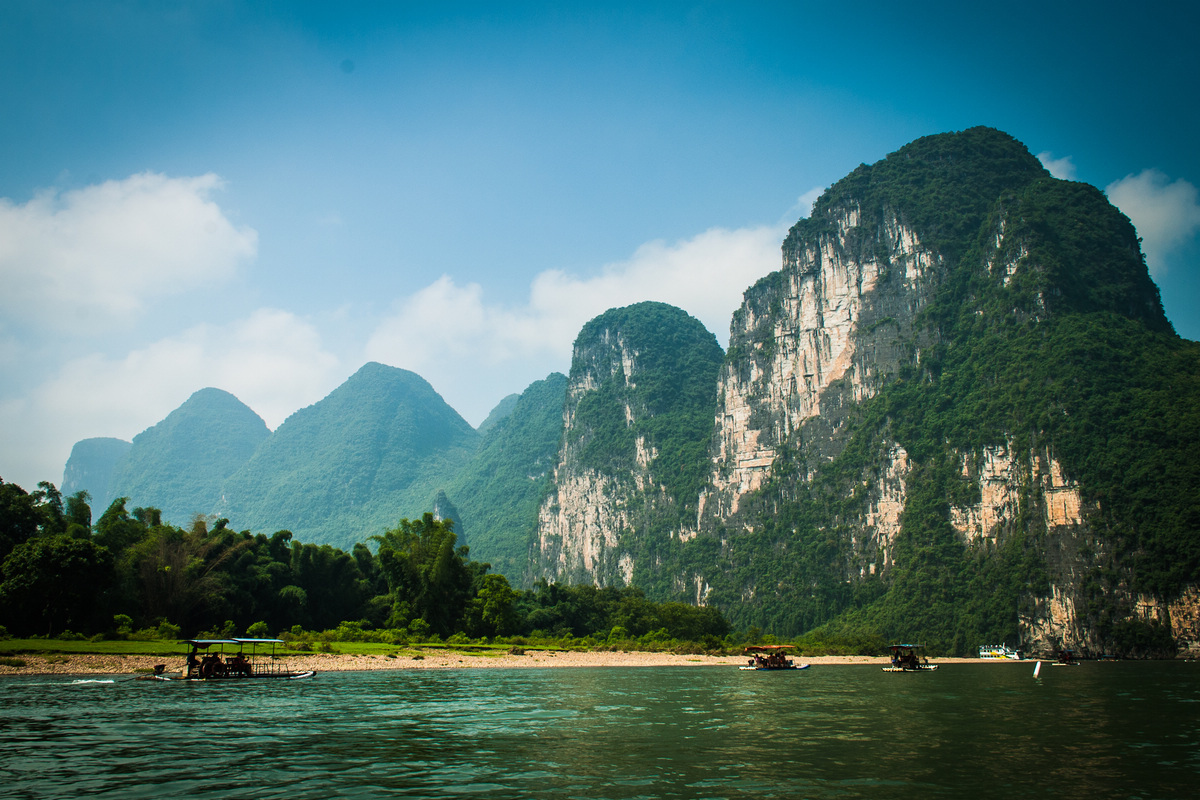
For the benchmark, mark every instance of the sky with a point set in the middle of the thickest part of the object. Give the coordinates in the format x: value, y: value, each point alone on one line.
x: 264, y: 196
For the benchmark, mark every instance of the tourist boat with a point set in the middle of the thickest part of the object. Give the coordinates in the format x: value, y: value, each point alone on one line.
x: 231, y: 660
x: 904, y: 659
x: 1066, y: 658
x: 771, y: 657
x: 999, y: 652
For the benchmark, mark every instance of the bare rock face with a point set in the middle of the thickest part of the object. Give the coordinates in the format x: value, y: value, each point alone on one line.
x: 827, y: 330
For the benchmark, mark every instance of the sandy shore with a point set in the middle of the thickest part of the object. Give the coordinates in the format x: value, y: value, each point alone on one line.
x: 429, y: 659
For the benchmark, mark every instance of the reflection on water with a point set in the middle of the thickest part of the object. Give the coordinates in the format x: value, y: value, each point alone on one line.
x: 1107, y: 730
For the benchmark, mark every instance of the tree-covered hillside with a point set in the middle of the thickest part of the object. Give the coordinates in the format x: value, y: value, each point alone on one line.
x: 131, y: 575
x: 91, y: 465
x: 638, y: 418
x: 180, y: 464
x: 499, y: 490
x: 377, y: 448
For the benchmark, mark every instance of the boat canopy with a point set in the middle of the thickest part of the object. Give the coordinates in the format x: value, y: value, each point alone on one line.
x: 206, y: 643
x: 769, y: 648
x: 905, y: 646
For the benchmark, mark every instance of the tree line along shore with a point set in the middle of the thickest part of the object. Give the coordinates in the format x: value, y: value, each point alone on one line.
x: 131, y: 576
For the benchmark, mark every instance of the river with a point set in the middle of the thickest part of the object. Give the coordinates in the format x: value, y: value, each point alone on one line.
x: 1099, y: 730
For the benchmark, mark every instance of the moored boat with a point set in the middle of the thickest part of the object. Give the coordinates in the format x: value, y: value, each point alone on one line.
x: 999, y: 652
x: 232, y: 659
x: 771, y: 657
x: 1066, y: 658
x: 905, y: 659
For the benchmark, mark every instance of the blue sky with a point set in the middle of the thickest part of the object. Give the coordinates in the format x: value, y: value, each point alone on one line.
x: 263, y: 196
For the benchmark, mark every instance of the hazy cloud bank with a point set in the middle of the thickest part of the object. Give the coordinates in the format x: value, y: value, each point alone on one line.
x: 88, y: 259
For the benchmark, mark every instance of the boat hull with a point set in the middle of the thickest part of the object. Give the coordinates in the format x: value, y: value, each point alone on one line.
x: 775, y: 669
x: 281, y: 676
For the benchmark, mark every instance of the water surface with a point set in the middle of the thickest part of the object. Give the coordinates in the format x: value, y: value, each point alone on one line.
x: 978, y: 730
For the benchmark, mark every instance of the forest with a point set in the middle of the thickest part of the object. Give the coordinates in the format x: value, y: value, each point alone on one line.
x: 130, y: 574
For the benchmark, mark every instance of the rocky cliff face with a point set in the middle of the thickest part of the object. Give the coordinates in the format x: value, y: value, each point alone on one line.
x: 825, y: 332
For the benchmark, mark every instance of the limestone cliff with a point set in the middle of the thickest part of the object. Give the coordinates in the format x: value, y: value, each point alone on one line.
x: 905, y: 303
x: 636, y: 422
x: 827, y: 330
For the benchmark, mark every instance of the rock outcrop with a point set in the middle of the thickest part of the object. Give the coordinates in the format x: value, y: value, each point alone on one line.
x: 827, y: 330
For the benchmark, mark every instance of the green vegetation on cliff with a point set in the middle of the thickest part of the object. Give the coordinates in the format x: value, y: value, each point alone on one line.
x: 669, y: 399
x: 499, y: 490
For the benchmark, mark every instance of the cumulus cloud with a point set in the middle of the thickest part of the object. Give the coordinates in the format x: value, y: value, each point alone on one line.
x: 456, y: 339
x: 89, y: 258
x: 1061, y: 168
x: 1165, y: 212
x: 272, y: 361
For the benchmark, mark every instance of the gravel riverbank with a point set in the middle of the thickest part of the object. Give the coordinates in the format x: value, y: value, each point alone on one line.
x: 92, y: 664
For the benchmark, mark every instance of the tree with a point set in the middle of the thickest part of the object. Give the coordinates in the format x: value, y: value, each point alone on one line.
x: 116, y: 530
x: 53, y: 582
x: 492, y: 611
x: 426, y: 576
x: 19, y: 517
x: 50, y: 502
x: 79, y: 515
x: 180, y: 575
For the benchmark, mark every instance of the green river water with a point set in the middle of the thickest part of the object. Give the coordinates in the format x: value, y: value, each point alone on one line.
x: 1099, y: 730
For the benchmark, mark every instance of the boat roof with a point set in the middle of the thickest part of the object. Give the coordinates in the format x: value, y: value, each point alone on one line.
x: 906, y: 646
x: 767, y: 648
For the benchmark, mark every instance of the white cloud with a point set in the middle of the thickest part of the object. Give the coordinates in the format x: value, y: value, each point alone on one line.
x: 803, y: 206
x: 272, y: 361
x: 460, y: 343
x: 89, y: 258
x: 1165, y: 213
x: 1061, y: 168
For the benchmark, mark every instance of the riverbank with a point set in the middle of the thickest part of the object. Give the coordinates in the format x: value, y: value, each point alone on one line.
x: 97, y: 664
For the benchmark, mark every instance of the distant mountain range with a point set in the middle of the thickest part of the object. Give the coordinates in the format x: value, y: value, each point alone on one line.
x: 956, y: 412
x: 377, y: 449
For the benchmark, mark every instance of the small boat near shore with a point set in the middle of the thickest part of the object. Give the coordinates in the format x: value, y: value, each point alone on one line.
x: 1066, y: 658
x: 905, y: 659
x: 771, y: 657
x: 999, y: 652
x: 231, y: 660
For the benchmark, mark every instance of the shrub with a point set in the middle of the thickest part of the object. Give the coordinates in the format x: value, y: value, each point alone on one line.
x: 123, y: 624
